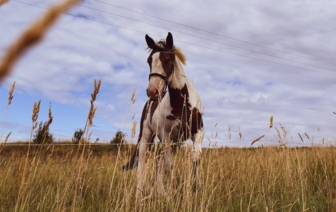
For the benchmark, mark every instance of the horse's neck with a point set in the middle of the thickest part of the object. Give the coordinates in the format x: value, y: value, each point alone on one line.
x: 178, y: 88
x: 178, y: 80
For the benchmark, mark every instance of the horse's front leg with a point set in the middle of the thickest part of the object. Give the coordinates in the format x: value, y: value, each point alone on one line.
x: 164, y: 164
x: 168, y: 163
x: 146, y: 137
x: 196, y: 155
x: 158, y: 173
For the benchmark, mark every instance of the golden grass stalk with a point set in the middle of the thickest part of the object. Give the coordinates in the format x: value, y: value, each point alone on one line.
x: 133, y: 99
x: 36, y: 110
x: 300, y: 137
x: 88, y: 124
x: 271, y: 122
x: 26, y: 173
x: 240, y: 133
x: 257, y: 139
x: 229, y: 131
x: 7, y: 136
x: 133, y: 129
x: 10, y: 98
x: 92, y: 111
x: 307, y: 135
x: 33, y: 35
x: 3, y: 2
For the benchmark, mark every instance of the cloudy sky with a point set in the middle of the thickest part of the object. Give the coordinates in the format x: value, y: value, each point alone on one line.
x: 249, y: 60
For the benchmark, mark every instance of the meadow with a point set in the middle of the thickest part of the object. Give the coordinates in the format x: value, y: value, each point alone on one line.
x: 86, y: 177
x: 89, y: 178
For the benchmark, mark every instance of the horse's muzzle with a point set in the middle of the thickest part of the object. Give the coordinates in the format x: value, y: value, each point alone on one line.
x: 152, y: 93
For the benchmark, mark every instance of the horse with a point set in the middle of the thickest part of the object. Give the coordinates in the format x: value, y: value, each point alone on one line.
x: 172, y: 113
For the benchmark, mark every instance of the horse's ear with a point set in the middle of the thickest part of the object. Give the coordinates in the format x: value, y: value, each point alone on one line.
x: 169, y: 40
x: 150, y: 42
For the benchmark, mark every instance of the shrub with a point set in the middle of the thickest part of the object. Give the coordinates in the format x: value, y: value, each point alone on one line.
x: 119, y: 138
x: 78, y: 134
x: 42, y: 134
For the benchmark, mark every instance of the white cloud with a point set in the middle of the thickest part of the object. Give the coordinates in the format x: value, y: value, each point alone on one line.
x: 236, y: 91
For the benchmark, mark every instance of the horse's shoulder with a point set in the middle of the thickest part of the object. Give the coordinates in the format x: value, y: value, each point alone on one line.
x: 152, y: 106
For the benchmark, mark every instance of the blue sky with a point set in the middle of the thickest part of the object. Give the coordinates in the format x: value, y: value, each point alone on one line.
x: 295, y: 84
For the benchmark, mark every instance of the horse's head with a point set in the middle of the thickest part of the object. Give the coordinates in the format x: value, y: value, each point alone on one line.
x: 161, y: 63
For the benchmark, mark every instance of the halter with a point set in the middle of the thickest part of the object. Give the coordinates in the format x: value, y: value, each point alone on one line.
x: 163, y: 77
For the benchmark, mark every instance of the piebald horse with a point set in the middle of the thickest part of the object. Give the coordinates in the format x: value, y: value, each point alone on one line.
x: 172, y: 113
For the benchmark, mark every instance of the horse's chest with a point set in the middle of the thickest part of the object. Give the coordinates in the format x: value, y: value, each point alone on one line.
x: 162, y: 118
x: 174, y: 115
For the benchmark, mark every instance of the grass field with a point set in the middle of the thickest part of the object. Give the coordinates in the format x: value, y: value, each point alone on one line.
x: 54, y: 178
x: 89, y: 177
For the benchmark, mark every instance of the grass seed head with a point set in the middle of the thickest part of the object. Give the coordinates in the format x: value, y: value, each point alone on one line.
x: 307, y: 135
x: 300, y: 137
x: 133, y: 99
x: 7, y: 136
x: 36, y: 110
x: 257, y: 139
x: 134, y: 129
x: 229, y: 131
x: 271, y: 122
x: 11, y: 91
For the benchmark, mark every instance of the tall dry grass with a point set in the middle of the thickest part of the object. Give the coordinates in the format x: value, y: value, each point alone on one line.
x: 233, y: 179
x: 92, y: 110
x: 10, y: 98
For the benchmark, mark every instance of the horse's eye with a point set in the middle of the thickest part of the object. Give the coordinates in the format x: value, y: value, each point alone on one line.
x: 167, y: 61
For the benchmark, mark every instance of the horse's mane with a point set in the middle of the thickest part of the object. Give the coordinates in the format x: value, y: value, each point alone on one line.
x: 180, y: 55
x: 161, y: 46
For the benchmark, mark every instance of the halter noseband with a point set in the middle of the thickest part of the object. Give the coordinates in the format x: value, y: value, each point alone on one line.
x: 165, y: 78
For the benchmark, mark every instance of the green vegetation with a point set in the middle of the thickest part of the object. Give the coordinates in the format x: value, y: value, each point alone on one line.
x: 119, y: 138
x: 42, y: 134
x: 78, y: 134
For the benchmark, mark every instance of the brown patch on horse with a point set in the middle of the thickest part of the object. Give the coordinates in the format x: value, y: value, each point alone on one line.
x: 196, y: 121
x: 181, y: 109
x: 171, y: 117
x: 133, y: 162
x: 167, y: 61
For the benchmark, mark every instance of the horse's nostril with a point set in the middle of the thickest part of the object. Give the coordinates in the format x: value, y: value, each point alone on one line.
x: 156, y: 91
